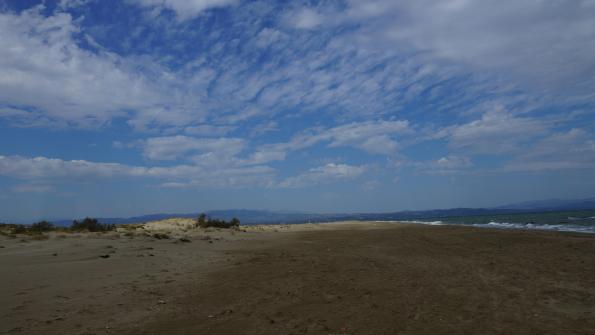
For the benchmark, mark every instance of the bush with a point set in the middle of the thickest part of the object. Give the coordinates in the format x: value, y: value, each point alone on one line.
x: 205, y: 222
x: 34, y: 229
x: 20, y: 229
x: 235, y: 222
x: 42, y: 226
x: 202, y: 220
x: 91, y: 225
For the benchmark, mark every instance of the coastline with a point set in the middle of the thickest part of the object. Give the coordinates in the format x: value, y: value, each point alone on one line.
x: 339, y: 278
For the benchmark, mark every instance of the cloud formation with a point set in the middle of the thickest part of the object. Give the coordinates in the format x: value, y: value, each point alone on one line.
x: 266, y: 94
x: 184, y: 9
x: 324, y: 174
x: 180, y: 176
x: 53, y: 169
x: 185, y: 147
x: 373, y: 137
x: 47, y: 77
x: 544, y: 44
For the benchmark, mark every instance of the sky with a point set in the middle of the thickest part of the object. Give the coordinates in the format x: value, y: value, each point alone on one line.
x: 122, y: 108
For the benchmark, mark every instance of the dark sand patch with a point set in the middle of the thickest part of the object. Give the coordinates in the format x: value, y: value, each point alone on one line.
x: 398, y: 280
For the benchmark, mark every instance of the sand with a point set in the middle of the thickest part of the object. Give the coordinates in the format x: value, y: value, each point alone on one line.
x: 340, y: 278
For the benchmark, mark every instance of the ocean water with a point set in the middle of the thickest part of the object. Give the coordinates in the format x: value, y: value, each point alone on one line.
x: 573, y: 221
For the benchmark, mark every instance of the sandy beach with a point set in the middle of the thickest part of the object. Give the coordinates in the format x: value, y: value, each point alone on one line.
x: 339, y: 278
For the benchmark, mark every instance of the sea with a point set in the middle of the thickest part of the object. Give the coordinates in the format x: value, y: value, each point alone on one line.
x: 571, y: 221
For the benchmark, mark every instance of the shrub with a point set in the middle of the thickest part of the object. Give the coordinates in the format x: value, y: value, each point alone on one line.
x: 205, y: 222
x: 202, y: 220
x: 42, y: 226
x: 19, y: 229
x: 35, y: 229
x: 91, y: 225
x: 235, y: 222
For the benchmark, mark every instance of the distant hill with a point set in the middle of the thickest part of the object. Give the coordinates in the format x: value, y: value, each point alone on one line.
x: 554, y: 204
x: 248, y: 216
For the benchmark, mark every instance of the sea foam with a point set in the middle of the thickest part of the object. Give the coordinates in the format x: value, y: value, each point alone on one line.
x: 507, y: 225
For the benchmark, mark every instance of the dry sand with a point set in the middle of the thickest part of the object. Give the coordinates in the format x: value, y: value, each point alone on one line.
x: 340, y: 278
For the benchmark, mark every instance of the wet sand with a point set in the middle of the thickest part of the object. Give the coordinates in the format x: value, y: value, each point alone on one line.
x: 348, y: 278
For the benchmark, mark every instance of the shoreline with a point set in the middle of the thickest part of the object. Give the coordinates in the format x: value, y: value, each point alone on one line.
x: 396, y: 277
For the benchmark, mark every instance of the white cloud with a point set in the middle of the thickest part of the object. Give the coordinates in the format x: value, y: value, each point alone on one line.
x: 252, y: 176
x: 205, y: 130
x: 32, y: 188
x: 66, y: 4
x: 53, y: 169
x: 324, y: 174
x: 175, y: 147
x: 446, y: 165
x: 371, y: 185
x: 306, y: 18
x: 39, y: 171
x: 547, y: 45
x: 268, y: 36
x: 184, y: 9
x: 264, y: 128
x: 47, y: 76
x: 574, y: 149
x: 374, y: 137
x: 8, y: 112
x: 267, y: 154
x: 496, y: 132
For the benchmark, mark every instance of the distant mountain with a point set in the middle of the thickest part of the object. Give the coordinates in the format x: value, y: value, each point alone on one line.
x: 553, y: 205
x: 248, y: 216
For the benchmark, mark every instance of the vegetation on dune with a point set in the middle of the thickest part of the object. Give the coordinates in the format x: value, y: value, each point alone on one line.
x: 204, y: 221
x: 161, y: 236
x: 38, y: 228
x: 42, y: 226
x: 92, y: 225
x: 34, y: 229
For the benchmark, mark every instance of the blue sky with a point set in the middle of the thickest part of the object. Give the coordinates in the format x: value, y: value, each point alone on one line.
x: 120, y: 108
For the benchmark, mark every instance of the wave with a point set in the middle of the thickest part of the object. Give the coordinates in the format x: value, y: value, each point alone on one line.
x: 507, y: 225
x: 431, y: 223
x: 534, y: 226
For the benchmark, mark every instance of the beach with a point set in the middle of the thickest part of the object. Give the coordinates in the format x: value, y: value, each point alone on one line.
x: 336, y: 278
